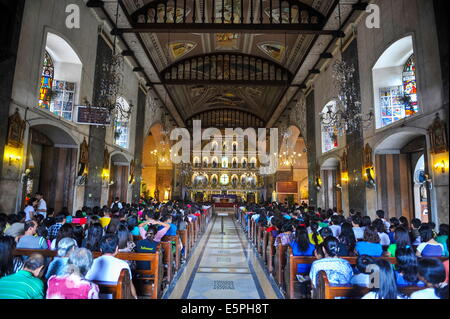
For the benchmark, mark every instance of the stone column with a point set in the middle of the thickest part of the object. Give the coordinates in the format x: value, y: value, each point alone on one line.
x: 311, y: 147
x: 139, y: 145
x: 10, y: 22
x: 93, y: 190
x: 355, y: 144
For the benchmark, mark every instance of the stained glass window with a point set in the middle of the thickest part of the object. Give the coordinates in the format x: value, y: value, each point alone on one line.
x: 329, y: 137
x: 46, y: 82
x: 121, y: 125
x: 410, y: 87
x: 399, y: 102
x: 63, y: 99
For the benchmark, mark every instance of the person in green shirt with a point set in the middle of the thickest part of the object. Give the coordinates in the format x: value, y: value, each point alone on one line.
x: 402, y: 240
x: 443, y: 237
x: 26, y: 283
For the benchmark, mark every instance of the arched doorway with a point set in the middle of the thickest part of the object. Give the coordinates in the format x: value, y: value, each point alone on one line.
x: 52, y: 162
x: 331, y: 193
x: 119, y: 178
x: 157, y: 171
x: 400, y: 159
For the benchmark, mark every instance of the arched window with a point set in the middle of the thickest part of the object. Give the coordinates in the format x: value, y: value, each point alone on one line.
x: 60, y: 78
x: 121, y: 125
x: 329, y: 136
x: 48, y: 72
x: 394, y: 81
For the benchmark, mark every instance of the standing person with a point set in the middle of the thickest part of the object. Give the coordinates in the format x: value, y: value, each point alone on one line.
x: 42, y: 205
x: 26, y: 283
x: 30, y: 209
x: 116, y: 203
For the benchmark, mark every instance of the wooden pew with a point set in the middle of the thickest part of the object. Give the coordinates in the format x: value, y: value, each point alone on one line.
x: 259, y: 239
x: 153, y: 288
x: 120, y: 289
x: 168, y: 259
x: 175, y: 240
x: 270, y: 252
x: 279, y: 264
x: 265, y: 240
x: 183, y: 234
x: 292, y: 261
x: 326, y: 291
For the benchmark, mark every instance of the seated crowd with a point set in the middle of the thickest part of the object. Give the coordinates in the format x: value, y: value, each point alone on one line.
x: 108, y: 230
x: 329, y: 235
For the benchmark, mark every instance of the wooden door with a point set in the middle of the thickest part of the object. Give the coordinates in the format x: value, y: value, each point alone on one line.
x: 57, y: 176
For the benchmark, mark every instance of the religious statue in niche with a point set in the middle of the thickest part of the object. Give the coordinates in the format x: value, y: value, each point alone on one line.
x: 368, y: 156
x: 438, y: 136
x: 84, y: 157
x: 132, y: 169
x: 106, y: 159
x: 16, y: 130
x: 157, y: 194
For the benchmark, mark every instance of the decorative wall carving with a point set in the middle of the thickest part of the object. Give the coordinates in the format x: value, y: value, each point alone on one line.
x: 16, y: 130
x: 438, y: 138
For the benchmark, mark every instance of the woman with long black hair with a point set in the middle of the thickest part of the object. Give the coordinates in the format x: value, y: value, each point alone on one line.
x: 432, y: 272
x: 314, y: 236
x: 92, y: 242
x: 406, y: 268
x: 402, y: 241
x: 347, y: 240
x: 385, y: 282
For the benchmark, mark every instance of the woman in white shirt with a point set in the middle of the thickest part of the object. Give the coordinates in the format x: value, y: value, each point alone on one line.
x: 29, y: 210
x: 384, y: 280
x: 432, y: 272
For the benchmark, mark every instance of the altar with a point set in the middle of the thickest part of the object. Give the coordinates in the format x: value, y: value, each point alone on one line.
x: 224, y: 200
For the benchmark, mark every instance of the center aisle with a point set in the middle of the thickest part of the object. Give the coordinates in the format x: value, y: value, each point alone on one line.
x: 224, y: 266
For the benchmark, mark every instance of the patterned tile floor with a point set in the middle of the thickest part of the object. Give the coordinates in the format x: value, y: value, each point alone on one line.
x: 224, y: 266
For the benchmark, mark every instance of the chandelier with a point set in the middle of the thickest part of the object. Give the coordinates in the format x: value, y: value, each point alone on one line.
x: 344, y: 115
x: 111, y: 83
x: 289, y: 157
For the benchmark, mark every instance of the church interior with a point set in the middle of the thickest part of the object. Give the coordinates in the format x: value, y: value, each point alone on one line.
x: 215, y: 136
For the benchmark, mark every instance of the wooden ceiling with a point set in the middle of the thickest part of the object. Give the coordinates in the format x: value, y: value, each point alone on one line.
x: 285, y: 42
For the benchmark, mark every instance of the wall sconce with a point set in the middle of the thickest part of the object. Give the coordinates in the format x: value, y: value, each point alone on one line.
x: 11, y: 155
x: 344, y: 177
x: 105, y: 174
x: 370, y: 177
x: 318, y: 184
x: 440, y: 166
